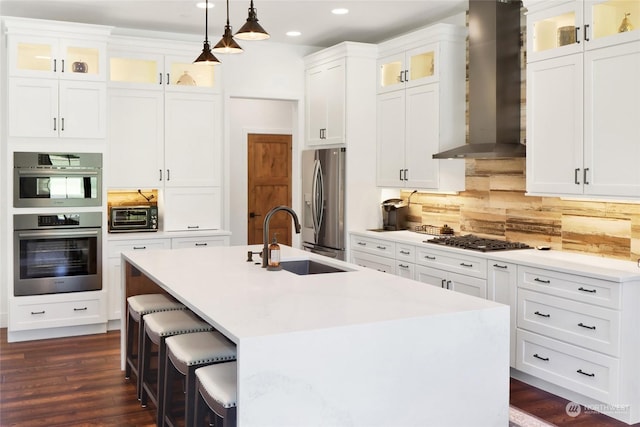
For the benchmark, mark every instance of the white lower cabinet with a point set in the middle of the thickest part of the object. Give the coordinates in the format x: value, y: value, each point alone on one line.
x: 54, y: 311
x: 502, y: 285
x: 384, y: 255
x: 199, y: 242
x: 448, y: 270
x: 375, y: 262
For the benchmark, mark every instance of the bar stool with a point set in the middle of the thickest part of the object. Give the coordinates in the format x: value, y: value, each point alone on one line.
x: 217, y: 393
x: 186, y: 353
x: 137, y: 307
x: 159, y: 326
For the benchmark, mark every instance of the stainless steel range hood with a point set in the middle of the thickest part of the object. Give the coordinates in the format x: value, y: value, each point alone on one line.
x: 494, y: 82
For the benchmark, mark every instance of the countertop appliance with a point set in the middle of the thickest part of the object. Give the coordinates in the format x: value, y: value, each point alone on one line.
x: 57, y: 253
x: 133, y: 218
x: 477, y: 243
x: 323, y: 198
x: 394, y: 214
x: 57, y: 179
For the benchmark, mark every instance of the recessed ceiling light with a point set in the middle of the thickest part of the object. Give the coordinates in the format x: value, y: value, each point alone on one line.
x: 203, y: 5
x: 340, y: 11
x: 293, y: 33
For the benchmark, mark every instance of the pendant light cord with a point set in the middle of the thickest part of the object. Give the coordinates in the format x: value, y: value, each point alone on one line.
x: 206, y: 21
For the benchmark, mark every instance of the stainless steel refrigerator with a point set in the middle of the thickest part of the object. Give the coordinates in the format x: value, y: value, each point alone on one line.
x: 323, y: 202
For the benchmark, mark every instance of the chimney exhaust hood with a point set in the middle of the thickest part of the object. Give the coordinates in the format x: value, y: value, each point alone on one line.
x: 494, y: 83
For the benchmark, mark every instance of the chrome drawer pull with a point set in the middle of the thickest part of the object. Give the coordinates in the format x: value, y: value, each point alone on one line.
x: 382, y: 248
x: 499, y: 266
x: 466, y: 265
x: 429, y: 257
x: 138, y: 248
x: 405, y: 252
x: 403, y: 266
x: 80, y: 309
x: 586, y: 326
x: 546, y: 359
x: 201, y: 244
x: 362, y: 243
x: 542, y: 281
x: 37, y: 312
x: 542, y: 314
x: 593, y: 291
x: 580, y: 371
x: 192, y: 227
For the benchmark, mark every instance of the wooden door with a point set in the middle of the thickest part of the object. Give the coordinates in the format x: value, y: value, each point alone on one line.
x: 269, y: 185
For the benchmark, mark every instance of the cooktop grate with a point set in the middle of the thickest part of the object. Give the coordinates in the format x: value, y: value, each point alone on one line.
x: 477, y: 243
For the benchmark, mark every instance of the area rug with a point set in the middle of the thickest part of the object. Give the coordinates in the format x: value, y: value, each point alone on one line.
x: 519, y: 418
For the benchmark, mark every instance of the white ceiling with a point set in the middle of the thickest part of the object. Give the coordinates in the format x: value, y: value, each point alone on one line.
x: 368, y: 21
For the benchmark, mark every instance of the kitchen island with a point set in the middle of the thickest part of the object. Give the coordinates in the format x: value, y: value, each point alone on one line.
x: 353, y: 348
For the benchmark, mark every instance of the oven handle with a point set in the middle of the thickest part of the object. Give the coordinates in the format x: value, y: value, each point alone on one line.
x: 58, y: 172
x: 58, y: 233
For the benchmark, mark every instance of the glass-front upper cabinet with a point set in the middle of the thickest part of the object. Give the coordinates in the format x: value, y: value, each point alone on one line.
x: 35, y: 56
x: 408, y: 69
x: 571, y: 27
x: 163, y: 72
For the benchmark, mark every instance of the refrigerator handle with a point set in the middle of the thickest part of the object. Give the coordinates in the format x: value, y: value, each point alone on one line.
x: 317, y: 204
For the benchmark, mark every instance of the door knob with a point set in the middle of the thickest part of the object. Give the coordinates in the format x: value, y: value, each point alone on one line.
x: 253, y: 215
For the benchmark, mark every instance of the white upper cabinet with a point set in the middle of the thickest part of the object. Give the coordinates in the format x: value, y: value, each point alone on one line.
x: 326, y: 103
x: 56, y: 85
x: 583, y: 101
x: 408, y: 68
x: 561, y: 28
x: 421, y: 108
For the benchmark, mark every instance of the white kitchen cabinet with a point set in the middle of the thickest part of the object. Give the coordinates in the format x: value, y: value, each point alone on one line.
x: 375, y: 262
x: 583, y: 109
x: 502, y: 285
x: 405, y: 260
x: 452, y: 281
x: 450, y: 270
x: 199, y: 242
x: 114, y: 269
x: 337, y: 80
x: 423, y: 116
x: 56, y: 85
x: 191, y: 208
x: 380, y: 254
x: 325, y: 105
x: 408, y: 68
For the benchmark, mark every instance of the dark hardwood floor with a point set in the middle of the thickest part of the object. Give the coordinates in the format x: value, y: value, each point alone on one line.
x: 77, y: 382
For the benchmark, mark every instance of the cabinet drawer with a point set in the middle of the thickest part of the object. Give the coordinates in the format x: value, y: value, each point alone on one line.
x: 198, y: 242
x: 376, y: 262
x: 405, y: 253
x: 456, y: 263
x: 579, y: 288
x: 115, y: 248
x: 374, y: 246
x: 55, y: 314
x: 405, y: 269
x: 595, y: 328
x: 582, y: 371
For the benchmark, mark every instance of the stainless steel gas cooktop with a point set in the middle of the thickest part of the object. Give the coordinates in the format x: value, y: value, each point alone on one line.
x: 477, y: 243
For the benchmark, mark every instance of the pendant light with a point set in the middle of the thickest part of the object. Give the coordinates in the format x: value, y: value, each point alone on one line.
x: 227, y: 44
x: 206, y: 56
x: 251, y: 30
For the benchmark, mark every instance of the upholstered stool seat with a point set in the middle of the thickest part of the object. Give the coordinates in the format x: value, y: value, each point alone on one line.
x: 217, y: 393
x: 157, y: 327
x: 137, y: 307
x: 186, y: 353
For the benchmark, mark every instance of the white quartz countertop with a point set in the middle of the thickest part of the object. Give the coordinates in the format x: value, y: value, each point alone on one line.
x: 567, y: 262
x: 139, y: 235
x: 241, y: 299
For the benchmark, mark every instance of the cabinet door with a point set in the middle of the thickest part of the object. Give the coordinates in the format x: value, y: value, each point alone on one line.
x: 467, y: 285
x: 391, y: 73
x: 422, y: 65
x: 195, y: 208
x: 316, y: 105
x: 391, y: 139
x: 605, y: 20
x: 33, y: 107
x: 82, y: 109
x: 192, y: 139
x: 405, y: 269
x: 136, y: 136
x: 83, y: 60
x: 555, y: 31
x: 335, y: 93
x: 422, y: 136
x: 555, y: 126
x: 431, y: 276
x: 612, y: 114
x: 133, y: 69
x: 181, y: 73
x: 114, y: 289
x: 33, y: 56
x: 502, y: 285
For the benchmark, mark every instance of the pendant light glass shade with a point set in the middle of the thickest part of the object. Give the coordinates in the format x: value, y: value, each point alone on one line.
x: 207, y: 56
x: 252, y: 30
x: 227, y: 44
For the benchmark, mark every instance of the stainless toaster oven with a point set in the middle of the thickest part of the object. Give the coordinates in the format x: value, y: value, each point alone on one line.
x: 133, y: 218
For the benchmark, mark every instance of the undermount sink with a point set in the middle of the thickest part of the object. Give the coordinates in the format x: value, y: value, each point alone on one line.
x: 308, y: 266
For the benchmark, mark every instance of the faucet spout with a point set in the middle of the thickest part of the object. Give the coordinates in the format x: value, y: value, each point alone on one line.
x: 265, y: 230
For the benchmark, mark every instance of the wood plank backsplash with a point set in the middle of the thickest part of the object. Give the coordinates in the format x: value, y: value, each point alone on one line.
x: 494, y: 205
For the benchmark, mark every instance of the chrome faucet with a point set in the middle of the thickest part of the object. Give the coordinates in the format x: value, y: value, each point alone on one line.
x: 265, y: 230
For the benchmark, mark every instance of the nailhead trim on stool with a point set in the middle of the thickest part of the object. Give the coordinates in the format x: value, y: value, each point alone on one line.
x: 137, y: 307
x: 158, y: 327
x: 217, y: 390
x: 186, y: 353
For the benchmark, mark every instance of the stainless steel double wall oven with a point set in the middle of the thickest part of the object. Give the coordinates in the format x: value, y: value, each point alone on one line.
x: 57, y: 251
